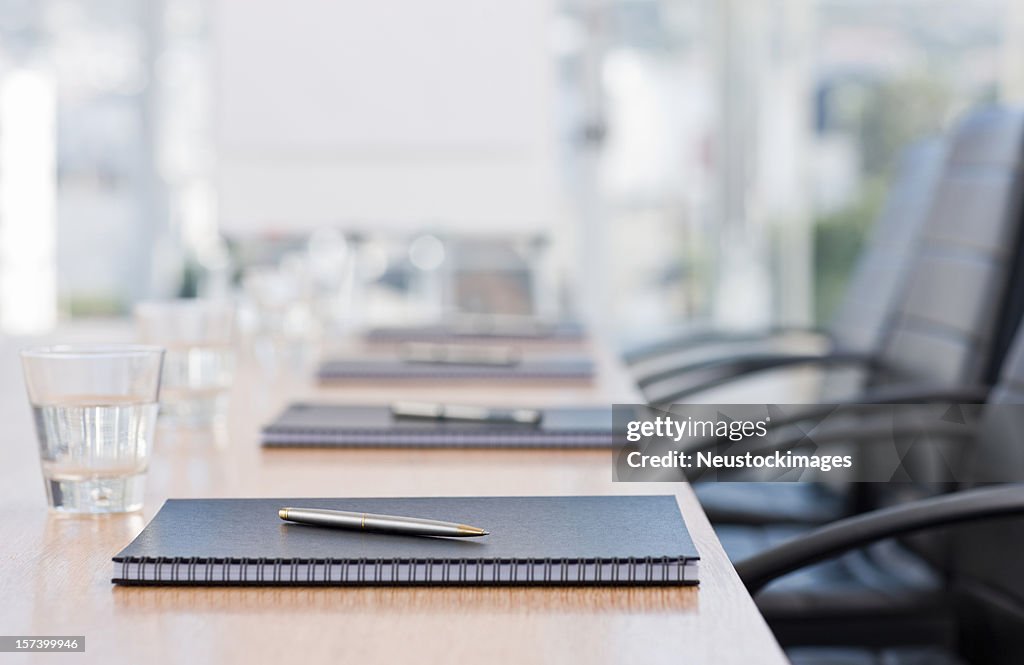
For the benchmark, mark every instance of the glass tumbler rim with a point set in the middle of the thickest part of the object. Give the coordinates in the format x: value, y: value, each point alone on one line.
x: 90, y: 351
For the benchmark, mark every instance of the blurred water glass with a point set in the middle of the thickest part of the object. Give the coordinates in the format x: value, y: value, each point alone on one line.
x: 329, y: 266
x: 281, y: 326
x: 200, y: 363
x: 95, y: 408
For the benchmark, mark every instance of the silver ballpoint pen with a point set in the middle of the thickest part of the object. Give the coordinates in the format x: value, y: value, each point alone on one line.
x: 437, y: 411
x: 459, y: 354
x: 407, y: 526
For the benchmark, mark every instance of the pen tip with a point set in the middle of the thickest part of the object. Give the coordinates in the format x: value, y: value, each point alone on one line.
x: 283, y: 513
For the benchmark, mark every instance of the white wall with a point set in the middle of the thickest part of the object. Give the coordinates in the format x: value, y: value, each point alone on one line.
x: 391, y: 111
x: 28, y: 188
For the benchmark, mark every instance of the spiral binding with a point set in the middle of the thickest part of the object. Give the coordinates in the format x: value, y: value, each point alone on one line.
x: 264, y: 571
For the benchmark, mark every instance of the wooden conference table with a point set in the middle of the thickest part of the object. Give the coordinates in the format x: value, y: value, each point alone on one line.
x: 55, y: 570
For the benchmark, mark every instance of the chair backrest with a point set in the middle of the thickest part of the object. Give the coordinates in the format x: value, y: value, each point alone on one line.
x: 946, y: 320
x: 860, y: 321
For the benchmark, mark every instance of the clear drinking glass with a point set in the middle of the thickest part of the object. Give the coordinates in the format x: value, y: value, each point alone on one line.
x: 200, y: 362
x: 95, y: 409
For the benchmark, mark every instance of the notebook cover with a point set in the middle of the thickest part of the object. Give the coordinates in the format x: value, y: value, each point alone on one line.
x: 344, y: 425
x: 383, y: 368
x: 523, y: 529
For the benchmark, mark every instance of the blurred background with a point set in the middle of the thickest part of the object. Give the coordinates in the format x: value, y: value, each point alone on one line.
x: 638, y: 164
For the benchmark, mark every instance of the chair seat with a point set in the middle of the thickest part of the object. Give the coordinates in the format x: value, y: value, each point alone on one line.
x: 849, y: 656
x: 879, y: 596
x: 769, y: 503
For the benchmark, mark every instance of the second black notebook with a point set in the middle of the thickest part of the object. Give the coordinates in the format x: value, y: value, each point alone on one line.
x: 530, y: 369
x: 323, y: 425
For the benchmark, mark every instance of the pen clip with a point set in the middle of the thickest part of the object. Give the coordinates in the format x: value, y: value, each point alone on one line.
x: 436, y: 411
x: 459, y: 354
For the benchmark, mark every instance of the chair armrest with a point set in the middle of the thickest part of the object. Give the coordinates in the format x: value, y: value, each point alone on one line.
x: 736, y: 367
x: 839, y: 537
x: 698, y: 338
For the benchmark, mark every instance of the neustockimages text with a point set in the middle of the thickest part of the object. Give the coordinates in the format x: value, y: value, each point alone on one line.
x: 776, y: 460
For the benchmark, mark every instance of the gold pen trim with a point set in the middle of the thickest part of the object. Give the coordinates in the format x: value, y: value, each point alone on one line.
x: 362, y: 524
x: 283, y: 513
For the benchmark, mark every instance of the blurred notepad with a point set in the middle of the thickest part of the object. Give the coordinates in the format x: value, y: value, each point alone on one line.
x: 323, y: 425
x: 557, y: 540
x: 566, y: 331
x: 529, y: 369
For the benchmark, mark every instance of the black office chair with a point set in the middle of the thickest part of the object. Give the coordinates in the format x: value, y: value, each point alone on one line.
x: 947, y: 333
x: 892, y: 593
x: 983, y: 592
x: 971, y: 220
x: 860, y: 319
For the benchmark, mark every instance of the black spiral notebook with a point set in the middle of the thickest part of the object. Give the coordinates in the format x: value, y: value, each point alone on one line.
x: 343, y: 426
x: 575, y: 369
x: 568, y: 540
